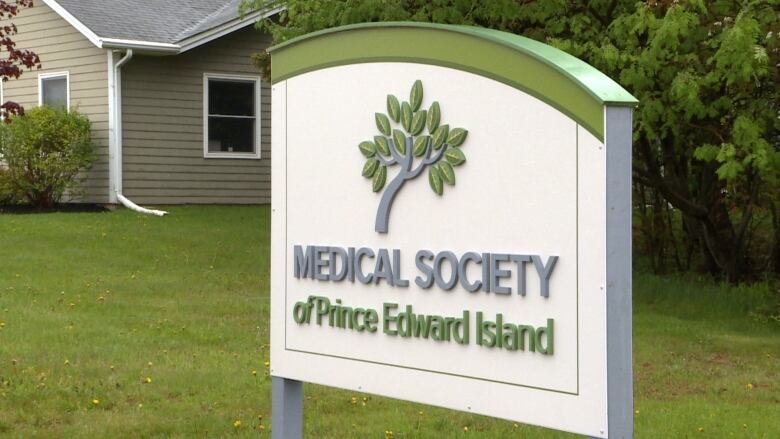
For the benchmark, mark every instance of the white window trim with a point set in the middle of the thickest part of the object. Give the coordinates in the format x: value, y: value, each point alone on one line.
x: 42, y: 76
x: 231, y: 155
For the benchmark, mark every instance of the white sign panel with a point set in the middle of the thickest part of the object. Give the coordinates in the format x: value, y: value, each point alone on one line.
x: 440, y: 236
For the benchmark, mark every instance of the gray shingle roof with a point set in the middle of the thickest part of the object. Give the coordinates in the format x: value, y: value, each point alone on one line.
x: 159, y: 21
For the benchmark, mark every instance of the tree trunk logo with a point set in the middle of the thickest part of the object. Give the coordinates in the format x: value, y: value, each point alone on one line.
x: 421, y: 143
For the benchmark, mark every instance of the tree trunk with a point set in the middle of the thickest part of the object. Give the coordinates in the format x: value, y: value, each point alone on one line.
x: 383, y: 212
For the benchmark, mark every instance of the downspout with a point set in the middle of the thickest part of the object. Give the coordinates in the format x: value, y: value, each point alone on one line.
x: 117, y: 138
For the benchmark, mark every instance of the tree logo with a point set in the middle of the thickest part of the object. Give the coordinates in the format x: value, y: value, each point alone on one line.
x: 412, y: 149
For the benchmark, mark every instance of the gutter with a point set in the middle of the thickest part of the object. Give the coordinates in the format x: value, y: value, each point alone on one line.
x: 115, y: 134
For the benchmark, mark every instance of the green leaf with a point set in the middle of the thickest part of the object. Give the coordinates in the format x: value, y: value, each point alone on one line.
x: 367, y: 148
x: 434, y: 179
x: 370, y: 167
x: 420, y: 145
x: 447, y: 173
x: 706, y: 153
x: 457, y: 137
x: 434, y: 117
x: 399, y: 138
x: 439, y: 136
x: 416, y: 95
x: 382, y: 146
x: 393, y: 108
x: 379, y: 178
x: 418, y: 123
x: 406, y: 116
x: 383, y: 123
x: 455, y: 156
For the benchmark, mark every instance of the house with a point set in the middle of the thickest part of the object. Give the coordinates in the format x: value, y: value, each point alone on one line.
x: 179, y: 113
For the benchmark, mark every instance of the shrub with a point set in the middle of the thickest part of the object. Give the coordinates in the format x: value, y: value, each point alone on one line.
x: 7, y: 194
x: 44, y: 151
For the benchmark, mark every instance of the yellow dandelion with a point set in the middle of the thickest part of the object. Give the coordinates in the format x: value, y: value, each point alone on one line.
x: 67, y: 363
x: 95, y: 401
x: 237, y: 423
x: 267, y: 363
x: 388, y: 434
x: 71, y: 304
x: 254, y: 372
x: 111, y: 367
x: 140, y: 406
x: 749, y: 386
x: 420, y: 413
x: 515, y: 426
x: 149, y: 364
x: 148, y: 380
x: 354, y: 400
x: 636, y: 412
x: 101, y: 298
x: 466, y: 429
x: 700, y: 429
x: 261, y: 427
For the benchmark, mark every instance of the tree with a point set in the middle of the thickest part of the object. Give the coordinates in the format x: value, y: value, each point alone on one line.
x: 706, y: 132
x: 402, y: 146
x: 12, y: 65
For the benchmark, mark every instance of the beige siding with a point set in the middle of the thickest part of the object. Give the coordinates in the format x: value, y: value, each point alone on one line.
x: 162, y: 106
x: 62, y: 48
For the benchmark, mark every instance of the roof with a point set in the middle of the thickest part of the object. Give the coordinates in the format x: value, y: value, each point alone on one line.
x: 170, y: 26
x: 557, y: 78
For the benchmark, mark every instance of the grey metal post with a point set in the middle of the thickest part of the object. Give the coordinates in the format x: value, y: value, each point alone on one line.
x: 286, y: 408
x: 620, y: 392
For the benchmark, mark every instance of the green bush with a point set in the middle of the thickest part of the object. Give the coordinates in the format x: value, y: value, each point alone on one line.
x: 7, y: 194
x: 44, y: 151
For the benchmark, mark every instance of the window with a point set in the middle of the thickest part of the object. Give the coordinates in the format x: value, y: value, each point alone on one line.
x: 231, y: 116
x: 54, y: 90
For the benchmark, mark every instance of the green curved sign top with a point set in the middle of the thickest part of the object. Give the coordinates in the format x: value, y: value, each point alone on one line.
x: 557, y: 78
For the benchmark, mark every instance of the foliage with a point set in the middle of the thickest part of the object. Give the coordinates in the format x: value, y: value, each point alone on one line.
x: 7, y: 194
x: 44, y: 150
x: 705, y: 73
x: 12, y: 65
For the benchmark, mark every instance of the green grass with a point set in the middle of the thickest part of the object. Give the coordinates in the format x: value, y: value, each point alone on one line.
x: 94, y: 303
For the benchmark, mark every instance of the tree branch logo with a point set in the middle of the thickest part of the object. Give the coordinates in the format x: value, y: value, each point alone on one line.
x: 412, y: 148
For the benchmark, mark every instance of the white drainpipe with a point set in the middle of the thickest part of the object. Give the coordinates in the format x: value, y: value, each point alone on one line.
x: 115, y: 130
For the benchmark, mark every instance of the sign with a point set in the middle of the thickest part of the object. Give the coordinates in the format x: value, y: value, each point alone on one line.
x: 451, y: 224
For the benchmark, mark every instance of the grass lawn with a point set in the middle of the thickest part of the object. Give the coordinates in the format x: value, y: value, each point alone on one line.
x: 124, y: 325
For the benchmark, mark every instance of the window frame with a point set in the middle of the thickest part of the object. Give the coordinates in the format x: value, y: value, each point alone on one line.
x: 52, y: 75
x: 258, y: 105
